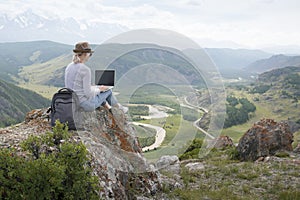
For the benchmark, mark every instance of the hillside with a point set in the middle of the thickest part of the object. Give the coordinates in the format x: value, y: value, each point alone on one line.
x: 15, y: 55
x: 276, y: 94
x: 284, y: 81
x: 276, y: 61
x: 47, y: 67
x: 15, y: 102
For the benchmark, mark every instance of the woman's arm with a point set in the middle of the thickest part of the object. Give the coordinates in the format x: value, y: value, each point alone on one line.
x: 89, y: 91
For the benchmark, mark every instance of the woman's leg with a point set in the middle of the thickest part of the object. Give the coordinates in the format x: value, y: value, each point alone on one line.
x: 105, y: 99
x: 111, y: 99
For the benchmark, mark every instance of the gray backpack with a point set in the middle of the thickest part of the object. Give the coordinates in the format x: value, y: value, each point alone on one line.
x: 65, y: 108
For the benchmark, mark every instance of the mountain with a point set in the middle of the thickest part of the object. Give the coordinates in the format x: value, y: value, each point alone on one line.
x: 231, y: 62
x: 275, y: 61
x: 225, y: 58
x: 15, y: 55
x: 29, y: 26
x: 15, y: 102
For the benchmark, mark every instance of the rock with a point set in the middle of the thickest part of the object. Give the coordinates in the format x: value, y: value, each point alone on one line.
x: 37, y: 115
x: 169, y: 164
x: 294, y: 127
x: 297, y: 149
x: 116, y: 154
x: 193, y: 167
x: 171, y: 183
x: 265, y: 138
x: 166, y: 161
x: 222, y: 141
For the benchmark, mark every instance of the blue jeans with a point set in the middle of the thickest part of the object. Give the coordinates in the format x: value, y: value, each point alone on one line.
x: 99, y: 100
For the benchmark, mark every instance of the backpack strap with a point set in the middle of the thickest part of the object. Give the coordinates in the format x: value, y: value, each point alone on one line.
x: 74, y: 95
x: 65, y: 90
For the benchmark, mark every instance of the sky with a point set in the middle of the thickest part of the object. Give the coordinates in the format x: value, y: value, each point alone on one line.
x: 231, y: 23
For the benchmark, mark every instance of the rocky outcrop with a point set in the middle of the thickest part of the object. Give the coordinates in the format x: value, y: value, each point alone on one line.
x: 117, y: 159
x: 222, y: 141
x: 265, y: 138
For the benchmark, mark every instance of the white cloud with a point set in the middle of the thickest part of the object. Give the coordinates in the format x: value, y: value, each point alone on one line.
x: 249, y: 22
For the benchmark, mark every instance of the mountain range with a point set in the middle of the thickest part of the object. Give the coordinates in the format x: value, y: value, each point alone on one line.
x: 47, y: 60
x: 29, y: 26
x: 52, y: 57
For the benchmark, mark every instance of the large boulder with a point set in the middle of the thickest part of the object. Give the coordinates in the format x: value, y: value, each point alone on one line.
x: 265, y: 138
x: 117, y: 156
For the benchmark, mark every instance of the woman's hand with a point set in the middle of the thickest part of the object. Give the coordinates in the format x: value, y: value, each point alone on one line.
x: 103, y: 88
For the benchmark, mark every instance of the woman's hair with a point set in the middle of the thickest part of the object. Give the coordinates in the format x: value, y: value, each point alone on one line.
x: 76, y: 58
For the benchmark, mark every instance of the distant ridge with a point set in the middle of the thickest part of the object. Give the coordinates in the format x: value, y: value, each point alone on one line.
x: 280, y: 75
x: 226, y: 58
x: 15, y: 102
x: 274, y: 62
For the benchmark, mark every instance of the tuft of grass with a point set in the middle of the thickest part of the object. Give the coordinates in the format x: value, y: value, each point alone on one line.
x: 289, y: 195
x: 282, y: 154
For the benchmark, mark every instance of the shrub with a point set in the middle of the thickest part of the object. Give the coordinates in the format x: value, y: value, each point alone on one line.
x: 239, y: 113
x: 261, y: 89
x: 193, y: 150
x: 52, y: 169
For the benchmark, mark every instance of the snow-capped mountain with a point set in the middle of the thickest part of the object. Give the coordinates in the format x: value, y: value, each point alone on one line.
x: 29, y: 26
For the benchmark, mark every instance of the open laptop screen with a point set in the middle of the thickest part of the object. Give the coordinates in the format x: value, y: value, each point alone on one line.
x: 105, y: 77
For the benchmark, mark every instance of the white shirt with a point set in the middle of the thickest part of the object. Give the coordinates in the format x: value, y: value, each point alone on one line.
x: 78, y: 78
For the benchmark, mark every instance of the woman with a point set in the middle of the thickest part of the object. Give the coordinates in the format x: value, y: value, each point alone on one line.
x: 78, y: 78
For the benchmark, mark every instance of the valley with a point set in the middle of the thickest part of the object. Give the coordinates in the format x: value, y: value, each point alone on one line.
x: 43, y: 73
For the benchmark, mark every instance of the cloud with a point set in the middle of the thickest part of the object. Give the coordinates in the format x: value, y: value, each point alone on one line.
x: 193, y: 3
x: 249, y: 22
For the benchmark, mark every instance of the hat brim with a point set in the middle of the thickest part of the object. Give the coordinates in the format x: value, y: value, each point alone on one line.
x: 82, y: 51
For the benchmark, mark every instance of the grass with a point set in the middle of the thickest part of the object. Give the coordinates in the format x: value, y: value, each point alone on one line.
x: 179, y: 132
x: 296, y: 139
x: 37, y: 72
x: 223, y: 178
x: 43, y: 90
x: 143, y: 131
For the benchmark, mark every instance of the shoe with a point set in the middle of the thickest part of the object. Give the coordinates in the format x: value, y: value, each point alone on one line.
x: 123, y: 108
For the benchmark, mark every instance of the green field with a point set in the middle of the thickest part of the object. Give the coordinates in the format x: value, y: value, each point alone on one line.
x: 278, y: 109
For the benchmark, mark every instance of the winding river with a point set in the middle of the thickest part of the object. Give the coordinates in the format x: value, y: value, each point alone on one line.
x: 159, y: 112
x: 154, y: 112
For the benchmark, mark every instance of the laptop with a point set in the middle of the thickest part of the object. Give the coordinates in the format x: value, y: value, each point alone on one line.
x: 105, y: 77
